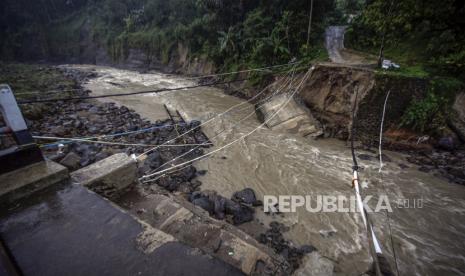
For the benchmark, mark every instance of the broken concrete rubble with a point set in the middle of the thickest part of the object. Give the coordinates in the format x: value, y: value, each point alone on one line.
x: 109, y: 176
x: 294, y: 118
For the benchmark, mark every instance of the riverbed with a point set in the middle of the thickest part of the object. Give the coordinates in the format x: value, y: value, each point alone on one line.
x: 429, y: 238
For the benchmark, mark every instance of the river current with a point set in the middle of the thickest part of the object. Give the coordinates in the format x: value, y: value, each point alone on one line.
x: 426, y: 226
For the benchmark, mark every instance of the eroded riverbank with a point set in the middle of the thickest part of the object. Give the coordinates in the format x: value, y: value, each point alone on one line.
x: 427, y: 240
x: 275, y: 163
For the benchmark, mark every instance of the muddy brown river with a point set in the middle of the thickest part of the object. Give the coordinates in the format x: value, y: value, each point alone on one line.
x: 429, y: 238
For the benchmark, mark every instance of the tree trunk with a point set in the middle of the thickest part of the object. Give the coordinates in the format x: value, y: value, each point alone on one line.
x: 309, y: 23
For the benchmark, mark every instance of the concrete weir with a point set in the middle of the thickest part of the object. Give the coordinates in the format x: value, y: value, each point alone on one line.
x: 69, y: 230
x: 109, y: 176
x: 27, y: 180
x: 182, y: 220
x: 192, y: 225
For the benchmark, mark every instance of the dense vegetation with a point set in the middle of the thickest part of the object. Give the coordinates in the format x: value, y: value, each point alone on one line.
x: 230, y: 33
x: 422, y: 35
x: 425, y: 36
x: 427, y: 39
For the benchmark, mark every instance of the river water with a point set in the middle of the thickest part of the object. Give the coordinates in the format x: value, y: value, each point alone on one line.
x: 428, y: 239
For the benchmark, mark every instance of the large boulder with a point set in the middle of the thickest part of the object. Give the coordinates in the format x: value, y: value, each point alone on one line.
x: 283, y: 113
x: 108, y: 177
x: 71, y: 161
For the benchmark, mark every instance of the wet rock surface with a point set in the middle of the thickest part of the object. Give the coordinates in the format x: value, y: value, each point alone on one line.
x: 239, y: 209
x: 273, y: 237
x: 442, y: 156
x: 235, y: 210
x: 447, y: 164
x: 111, y: 124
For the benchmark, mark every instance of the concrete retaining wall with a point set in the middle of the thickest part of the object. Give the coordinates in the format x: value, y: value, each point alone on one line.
x: 108, y: 177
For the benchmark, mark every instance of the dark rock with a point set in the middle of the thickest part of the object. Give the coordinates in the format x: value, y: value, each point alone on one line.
x: 56, y: 157
x: 204, y: 203
x: 457, y: 172
x: 202, y: 172
x: 195, y: 184
x: 219, y: 207
x: 246, y: 196
x: 85, y: 161
x: 185, y: 187
x: 169, y: 183
x: 77, y: 124
x: 365, y: 156
x: 94, y: 129
x: 306, y: 249
x: 94, y: 110
x: 245, y: 214
x: 58, y: 130
x: 231, y: 207
x: 447, y: 143
x: 71, y: 161
x: 189, y: 173
x: 257, y: 203
x: 194, y: 124
x: 403, y: 166
x: 274, y: 238
x: 154, y: 160
x: 424, y: 169
x: 101, y: 155
x: 195, y: 195
x: 386, y: 158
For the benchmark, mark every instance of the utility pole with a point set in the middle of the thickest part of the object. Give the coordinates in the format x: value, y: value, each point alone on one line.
x: 309, y: 23
x: 381, y: 48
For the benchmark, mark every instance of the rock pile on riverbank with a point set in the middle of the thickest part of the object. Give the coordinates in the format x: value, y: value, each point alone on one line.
x: 237, y: 210
x: 111, y: 124
x: 448, y: 164
x: 273, y: 237
x: 241, y: 209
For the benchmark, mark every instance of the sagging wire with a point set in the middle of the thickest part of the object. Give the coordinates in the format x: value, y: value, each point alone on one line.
x: 388, y: 219
x: 209, y: 120
x: 377, y: 254
x: 381, y: 133
x: 236, y: 140
x: 286, y: 81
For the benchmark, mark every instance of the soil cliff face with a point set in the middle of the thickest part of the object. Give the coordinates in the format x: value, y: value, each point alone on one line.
x: 330, y: 93
x: 84, y: 48
x: 180, y: 61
